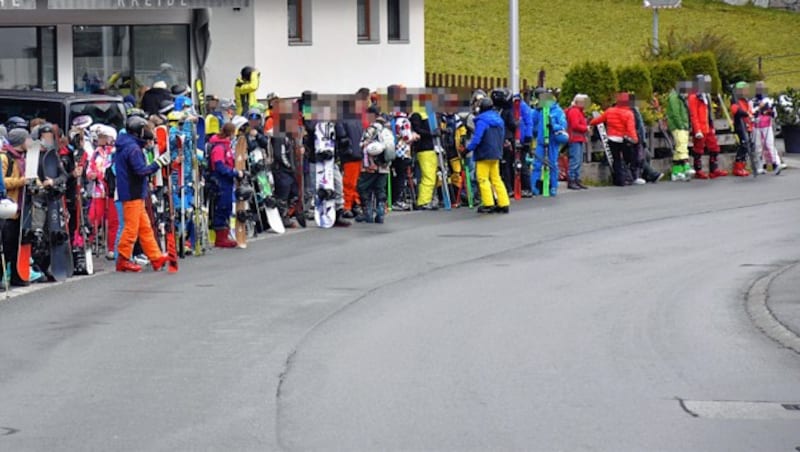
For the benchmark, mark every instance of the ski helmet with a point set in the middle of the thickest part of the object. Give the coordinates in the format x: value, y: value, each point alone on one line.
x: 537, y: 93
x: 137, y: 112
x: 485, y: 104
x: 176, y: 116
x: 44, y: 128
x: 166, y: 106
x: 82, y: 121
x: 244, y: 192
x: 247, y: 72
x: 501, y: 97
x: 238, y: 122
x: 255, y: 113
x: 136, y: 126
x: 8, y: 209
x: 15, y: 122
x: 179, y: 90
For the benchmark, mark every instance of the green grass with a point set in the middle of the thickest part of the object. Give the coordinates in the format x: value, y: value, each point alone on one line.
x: 471, y: 36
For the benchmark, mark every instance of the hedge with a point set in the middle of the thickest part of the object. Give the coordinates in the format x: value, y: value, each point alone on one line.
x: 635, y: 79
x: 665, y: 75
x: 703, y: 63
x: 596, y: 79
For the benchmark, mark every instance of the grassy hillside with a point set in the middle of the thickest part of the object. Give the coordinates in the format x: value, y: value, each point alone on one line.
x: 471, y: 36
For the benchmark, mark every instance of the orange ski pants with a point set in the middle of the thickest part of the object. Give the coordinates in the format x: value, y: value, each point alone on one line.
x: 137, y: 224
x: 350, y: 173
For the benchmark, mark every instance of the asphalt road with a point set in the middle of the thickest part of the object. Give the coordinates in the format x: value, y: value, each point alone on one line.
x: 611, y: 319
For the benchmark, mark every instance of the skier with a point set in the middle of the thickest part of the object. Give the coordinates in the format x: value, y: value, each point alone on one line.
x: 377, y: 143
x: 101, y: 189
x: 47, y: 193
x: 678, y: 123
x: 349, y: 131
x: 557, y: 133
x: 705, y: 137
x: 743, y: 127
x: 422, y: 148
x: 244, y: 92
x: 223, y: 174
x: 578, y: 127
x: 487, y: 148
x: 526, y: 136
x: 502, y: 100
x: 622, y: 139
x: 12, y: 157
x: 764, y: 115
x: 132, y: 171
x: 453, y: 132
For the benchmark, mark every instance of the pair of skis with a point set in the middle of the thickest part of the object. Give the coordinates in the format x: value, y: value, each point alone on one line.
x: 601, y: 130
x: 440, y: 155
x: 162, y: 141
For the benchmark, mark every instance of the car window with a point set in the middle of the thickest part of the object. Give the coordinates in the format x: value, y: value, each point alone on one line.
x: 102, y: 112
x: 29, y: 109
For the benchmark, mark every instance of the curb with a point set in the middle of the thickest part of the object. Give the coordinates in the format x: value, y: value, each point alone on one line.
x: 763, y: 318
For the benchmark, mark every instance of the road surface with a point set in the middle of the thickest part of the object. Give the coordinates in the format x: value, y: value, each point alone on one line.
x: 612, y: 319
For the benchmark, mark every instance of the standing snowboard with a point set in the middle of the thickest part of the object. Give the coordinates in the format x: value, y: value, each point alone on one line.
x: 324, y: 199
x: 240, y: 164
x: 81, y: 246
x: 265, y: 200
x: 58, y: 237
x: 601, y: 130
x: 31, y: 173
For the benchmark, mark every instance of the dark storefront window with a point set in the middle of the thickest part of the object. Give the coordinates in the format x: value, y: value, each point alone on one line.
x: 121, y: 60
x: 28, y: 58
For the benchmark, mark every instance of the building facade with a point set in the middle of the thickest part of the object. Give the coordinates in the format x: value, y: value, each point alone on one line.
x: 120, y: 46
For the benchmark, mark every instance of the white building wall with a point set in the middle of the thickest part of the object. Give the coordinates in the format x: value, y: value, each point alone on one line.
x: 232, y: 48
x: 334, y: 62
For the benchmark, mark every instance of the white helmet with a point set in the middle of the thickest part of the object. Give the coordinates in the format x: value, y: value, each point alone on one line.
x: 8, y: 209
x: 238, y: 122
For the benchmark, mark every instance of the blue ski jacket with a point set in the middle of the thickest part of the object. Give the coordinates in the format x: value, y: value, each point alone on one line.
x: 558, y: 122
x: 131, y: 168
x: 487, y: 142
x: 526, y: 122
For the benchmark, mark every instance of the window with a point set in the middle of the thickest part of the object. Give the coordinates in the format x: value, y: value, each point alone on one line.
x: 368, y: 21
x: 28, y: 58
x: 120, y: 60
x: 299, y: 15
x: 398, y: 20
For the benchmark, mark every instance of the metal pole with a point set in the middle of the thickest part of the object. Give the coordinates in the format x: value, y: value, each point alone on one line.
x: 513, y: 45
x: 655, y: 31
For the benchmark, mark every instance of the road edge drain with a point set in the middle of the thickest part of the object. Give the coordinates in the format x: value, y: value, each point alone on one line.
x: 763, y: 318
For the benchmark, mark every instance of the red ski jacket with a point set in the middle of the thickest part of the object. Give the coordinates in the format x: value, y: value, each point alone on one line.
x: 577, y: 125
x: 619, y: 121
x: 699, y: 114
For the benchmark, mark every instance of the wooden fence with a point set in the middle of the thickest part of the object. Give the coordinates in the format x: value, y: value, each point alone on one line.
x: 472, y: 82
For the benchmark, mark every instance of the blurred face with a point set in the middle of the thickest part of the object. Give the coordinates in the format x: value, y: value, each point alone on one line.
x: 213, y: 104
x: 48, y: 139
x: 580, y: 103
x: 254, y: 123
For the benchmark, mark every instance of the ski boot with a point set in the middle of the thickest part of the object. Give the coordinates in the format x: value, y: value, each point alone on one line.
x: 486, y: 209
x: 340, y: 222
x: 223, y: 239
x: 380, y: 211
x: 739, y: 170
x: 159, y: 262
x: 367, y: 216
x: 126, y: 266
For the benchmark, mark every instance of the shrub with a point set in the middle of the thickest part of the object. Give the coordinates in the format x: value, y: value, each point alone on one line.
x: 596, y: 79
x: 703, y: 63
x: 734, y: 64
x: 665, y: 75
x: 636, y: 79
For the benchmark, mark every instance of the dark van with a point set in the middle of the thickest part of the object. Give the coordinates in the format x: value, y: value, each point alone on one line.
x: 62, y: 108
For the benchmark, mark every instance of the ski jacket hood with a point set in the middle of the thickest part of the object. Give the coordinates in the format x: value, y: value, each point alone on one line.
x: 222, y: 159
x: 487, y: 142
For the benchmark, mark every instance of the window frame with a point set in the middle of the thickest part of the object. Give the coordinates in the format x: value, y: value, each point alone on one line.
x: 371, y: 17
x: 39, y: 37
x: 402, y: 9
x: 302, y: 20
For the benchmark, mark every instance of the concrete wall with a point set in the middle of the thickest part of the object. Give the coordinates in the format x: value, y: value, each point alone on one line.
x: 232, y: 48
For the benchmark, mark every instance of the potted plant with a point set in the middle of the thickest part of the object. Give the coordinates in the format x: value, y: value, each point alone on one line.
x: 788, y: 109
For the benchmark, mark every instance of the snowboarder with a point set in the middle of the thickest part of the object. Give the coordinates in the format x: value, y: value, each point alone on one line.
x: 12, y: 157
x: 132, y: 171
x: 349, y: 131
x: 222, y: 179
x: 487, y: 148
x: 702, y: 122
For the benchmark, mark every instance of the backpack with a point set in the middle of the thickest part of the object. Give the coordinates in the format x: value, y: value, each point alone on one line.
x: 389, y: 151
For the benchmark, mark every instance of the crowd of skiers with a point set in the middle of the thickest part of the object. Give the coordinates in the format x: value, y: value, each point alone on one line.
x: 108, y: 192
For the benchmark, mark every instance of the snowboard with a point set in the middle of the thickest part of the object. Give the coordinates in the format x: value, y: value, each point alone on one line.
x: 31, y: 173
x: 601, y: 130
x: 81, y: 246
x: 58, y: 237
x: 517, y: 157
x: 240, y: 164
x: 263, y: 185
x: 162, y: 140
x: 440, y: 155
x: 324, y: 198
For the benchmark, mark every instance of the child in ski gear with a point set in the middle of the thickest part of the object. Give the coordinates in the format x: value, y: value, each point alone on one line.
x: 678, y: 123
x: 12, y: 157
x: 743, y: 127
x: 557, y: 132
x: 102, y: 207
x: 377, y: 142
x: 487, y: 147
x: 763, y: 135
x: 705, y: 137
x: 622, y: 139
x: 244, y: 93
x: 132, y: 171
x: 403, y: 163
x: 223, y: 174
x: 578, y: 127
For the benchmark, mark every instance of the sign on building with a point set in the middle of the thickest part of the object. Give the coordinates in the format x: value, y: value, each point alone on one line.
x: 145, y: 4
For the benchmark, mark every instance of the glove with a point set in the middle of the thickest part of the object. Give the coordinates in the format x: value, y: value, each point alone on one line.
x: 436, y: 133
x: 163, y: 160
x: 698, y: 136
